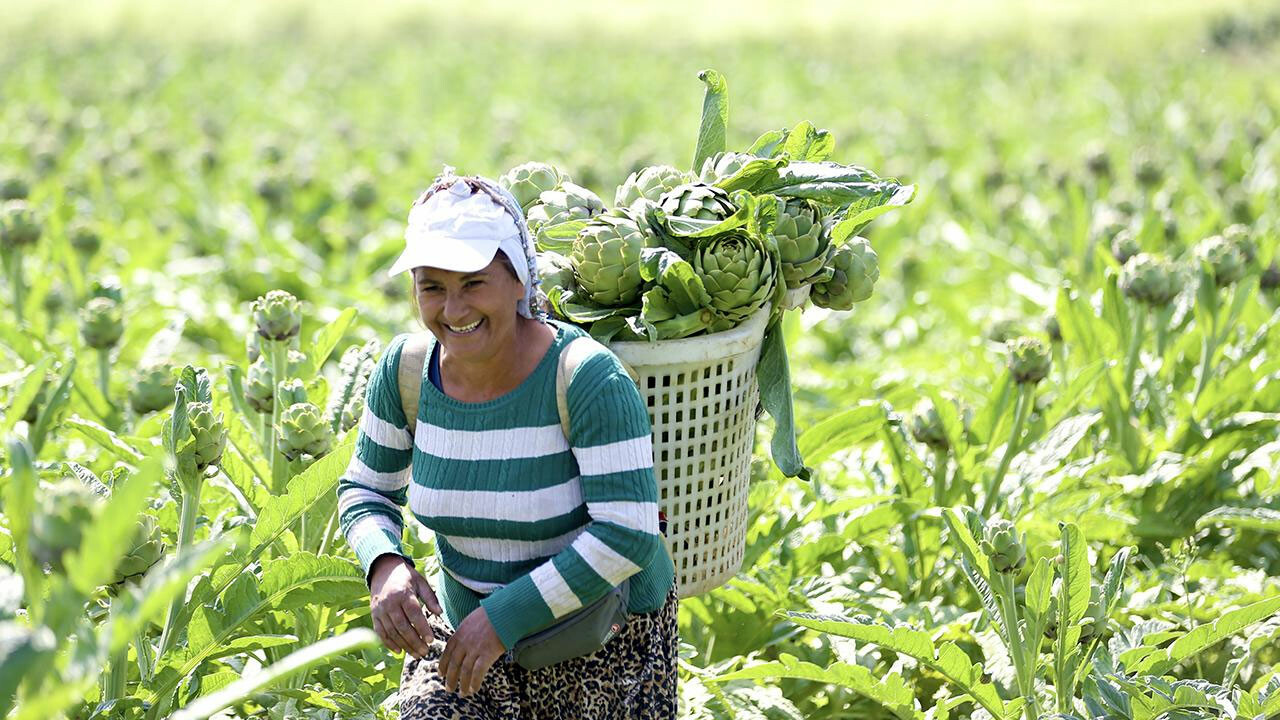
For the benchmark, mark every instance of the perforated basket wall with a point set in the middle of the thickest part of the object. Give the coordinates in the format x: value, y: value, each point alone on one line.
x: 702, y: 395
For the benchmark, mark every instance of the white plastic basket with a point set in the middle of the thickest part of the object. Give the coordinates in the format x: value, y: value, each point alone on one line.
x: 702, y: 394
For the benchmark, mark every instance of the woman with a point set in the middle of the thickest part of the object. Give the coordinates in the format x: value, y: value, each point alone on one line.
x: 530, y: 525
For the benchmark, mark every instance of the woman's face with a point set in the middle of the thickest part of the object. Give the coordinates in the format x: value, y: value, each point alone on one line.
x: 471, y: 314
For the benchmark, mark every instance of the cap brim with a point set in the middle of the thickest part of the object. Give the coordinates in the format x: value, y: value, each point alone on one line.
x: 446, y: 253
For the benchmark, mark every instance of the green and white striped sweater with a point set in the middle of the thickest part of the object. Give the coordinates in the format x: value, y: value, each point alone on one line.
x: 528, y: 524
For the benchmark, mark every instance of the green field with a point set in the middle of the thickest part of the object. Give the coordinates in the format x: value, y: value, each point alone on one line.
x: 162, y: 169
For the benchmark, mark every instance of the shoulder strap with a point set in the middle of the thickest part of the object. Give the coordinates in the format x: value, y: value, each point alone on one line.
x: 413, y: 356
x: 571, y: 357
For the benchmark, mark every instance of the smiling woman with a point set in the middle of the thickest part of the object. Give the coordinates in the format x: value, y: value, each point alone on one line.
x: 537, y: 522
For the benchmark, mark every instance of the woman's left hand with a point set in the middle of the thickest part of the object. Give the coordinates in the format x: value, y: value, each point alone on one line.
x: 469, y: 654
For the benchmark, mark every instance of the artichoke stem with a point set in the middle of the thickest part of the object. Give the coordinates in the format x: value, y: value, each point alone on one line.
x: 1023, y: 663
x: 13, y: 263
x: 328, y: 533
x: 104, y: 374
x: 146, y: 662
x: 1131, y: 358
x: 278, y: 351
x: 940, y: 477
x: 186, y: 532
x: 1026, y: 397
x: 116, y: 682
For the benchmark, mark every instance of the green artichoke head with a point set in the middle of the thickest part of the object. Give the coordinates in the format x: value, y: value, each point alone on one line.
x: 292, y: 392
x: 84, y: 239
x: 648, y: 184
x: 803, y: 241
x: 152, y: 388
x: 1240, y: 235
x: 1097, y: 161
x: 926, y: 426
x: 571, y: 202
x: 360, y: 190
x: 1053, y: 328
x: 1223, y: 257
x: 606, y: 258
x: 555, y: 270
x: 1124, y: 246
x: 1148, y: 169
x: 209, y: 433
x: 697, y: 200
x: 738, y: 272
x: 1270, y: 279
x: 274, y: 186
x: 1029, y: 359
x: 527, y: 181
x: 259, y: 386
x: 13, y: 186
x: 145, y: 550
x: 101, y: 323
x: 278, y: 315
x: 19, y: 225
x: 855, y: 272
x: 1004, y: 546
x: 65, y: 509
x: 723, y: 165
x: 303, y: 431
x: 1151, y: 280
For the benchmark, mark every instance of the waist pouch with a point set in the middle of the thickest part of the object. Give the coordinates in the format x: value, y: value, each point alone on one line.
x: 582, y: 632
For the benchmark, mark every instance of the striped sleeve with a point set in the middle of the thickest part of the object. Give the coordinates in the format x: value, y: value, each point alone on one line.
x: 374, y: 487
x: 611, y: 442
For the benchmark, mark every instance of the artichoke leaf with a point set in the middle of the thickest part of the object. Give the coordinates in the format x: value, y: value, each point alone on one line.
x: 577, y: 308
x: 861, y: 212
x: 807, y: 143
x: 833, y: 186
x: 770, y: 143
x: 558, y: 237
x: 760, y: 171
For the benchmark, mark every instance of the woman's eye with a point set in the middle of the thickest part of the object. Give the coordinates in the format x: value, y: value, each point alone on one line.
x: 474, y: 283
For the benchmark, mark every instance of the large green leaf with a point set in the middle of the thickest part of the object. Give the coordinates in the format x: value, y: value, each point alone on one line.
x: 889, y: 690
x: 109, y: 537
x: 842, y: 431
x: 1076, y: 579
x: 946, y: 659
x: 326, y: 339
x: 715, y: 117
x: 21, y: 650
x: 25, y: 394
x: 1203, y: 637
x: 1263, y: 519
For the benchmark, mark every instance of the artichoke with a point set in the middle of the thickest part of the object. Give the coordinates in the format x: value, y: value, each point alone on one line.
x: 648, y: 184
x: 1004, y: 546
x: 152, y: 388
x: 259, y: 383
x: 146, y: 550
x: 1029, y: 360
x: 361, y: 191
x: 1225, y: 261
x: 209, y: 433
x: 572, y: 202
x: 555, y: 270
x: 84, y: 239
x: 1124, y: 246
x: 1239, y: 235
x: 292, y: 392
x: 803, y: 241
x: 273, y: 187
x: 1150, y: 280
x: 1097, y: 161
x: 1147, y: 170
x: 738, y: 273
x: 302, y: 430
x: 277, y: 315
x: 723, y: 165
x: 101, y: 323
x: 13, y: 187
x: 19, y: 225
x: 606, y: 257
x: 528, y: 181
x: 697, y: 200
x: 66, y: 508
x: 856, y: 270
x: 926, y: 426
x: 1053, y: 328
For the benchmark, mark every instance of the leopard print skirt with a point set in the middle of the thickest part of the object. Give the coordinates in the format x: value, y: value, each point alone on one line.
x: 633, y: 676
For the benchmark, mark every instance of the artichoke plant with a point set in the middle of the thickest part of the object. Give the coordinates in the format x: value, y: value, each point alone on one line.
x: 1004, y: 546
x: 606, y: 256
x: 1270, y: 279
x: 277, y: 315
x: 360, y: 190
x: 803, y: 242
x: 292, y: 392
x: 101, y: 323
x: 209, y: 433
x: 1124, y: 246
x: 146, y: 549
x: 1150, y: 280
x: 571, y: 202
x: 84, y: 239
x: 855, y: 272
x: 1239, y: 235
x: 738, y: 273
x: 926, y: 426
x: 303, y: 431
x: 19, y: 226
x: 1224, y: 259
x: 648, y: 183
x: 13, y: 187
x: 66, y: 508
x: 528, y: 181
x: 699, y: 201
x: 152, y: 388
x: 1147, y: 169
x: 259, y: 383
x: 1029, y: 360
x: 1094, y: 622
x: 555, y: 270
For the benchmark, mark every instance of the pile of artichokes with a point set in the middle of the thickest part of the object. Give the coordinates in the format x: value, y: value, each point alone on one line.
x: 686, y: 253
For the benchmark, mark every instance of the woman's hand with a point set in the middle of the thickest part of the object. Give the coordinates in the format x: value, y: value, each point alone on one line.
x: 395, y: 591
x: 469, y: 654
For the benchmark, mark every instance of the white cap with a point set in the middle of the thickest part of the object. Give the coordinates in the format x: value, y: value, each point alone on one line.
x: 460, y: 230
